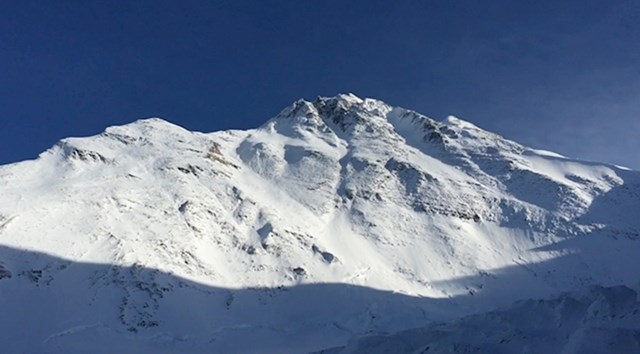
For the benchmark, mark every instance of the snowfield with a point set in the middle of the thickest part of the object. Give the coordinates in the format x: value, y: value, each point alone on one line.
x: 334, y: 225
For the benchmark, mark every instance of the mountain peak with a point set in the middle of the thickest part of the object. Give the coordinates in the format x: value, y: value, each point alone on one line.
x: 349, y: 116
x: 340, y: 113
x: 347, y: 98
x: 151, y: 123
x: 303, y: 107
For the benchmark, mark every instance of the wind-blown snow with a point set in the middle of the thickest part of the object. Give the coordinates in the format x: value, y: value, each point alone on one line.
x: 337, y: 218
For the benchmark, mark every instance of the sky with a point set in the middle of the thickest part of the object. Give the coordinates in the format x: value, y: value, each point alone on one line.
x: 555, y: 75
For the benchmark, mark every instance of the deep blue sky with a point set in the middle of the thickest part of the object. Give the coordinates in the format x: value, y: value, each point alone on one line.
x: 558, y: 75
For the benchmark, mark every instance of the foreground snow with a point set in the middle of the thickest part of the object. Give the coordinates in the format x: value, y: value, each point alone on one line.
x: 337, y: 218
x: 596, y: 320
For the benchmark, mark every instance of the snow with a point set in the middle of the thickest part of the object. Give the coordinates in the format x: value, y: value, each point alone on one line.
x: 338, y: 218
x: 595, y: 320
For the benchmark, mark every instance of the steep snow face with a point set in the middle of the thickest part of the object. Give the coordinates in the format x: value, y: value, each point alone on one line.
x: 338, y: 217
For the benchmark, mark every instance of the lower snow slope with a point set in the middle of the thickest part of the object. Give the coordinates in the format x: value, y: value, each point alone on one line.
x: 596, y: 320
x: 338, y: 217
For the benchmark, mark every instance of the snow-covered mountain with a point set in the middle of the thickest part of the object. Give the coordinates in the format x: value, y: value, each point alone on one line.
x: 338, y: 218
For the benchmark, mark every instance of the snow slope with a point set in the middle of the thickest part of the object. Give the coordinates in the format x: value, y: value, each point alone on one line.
x: 337, y: 218
x: 596, y: 320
